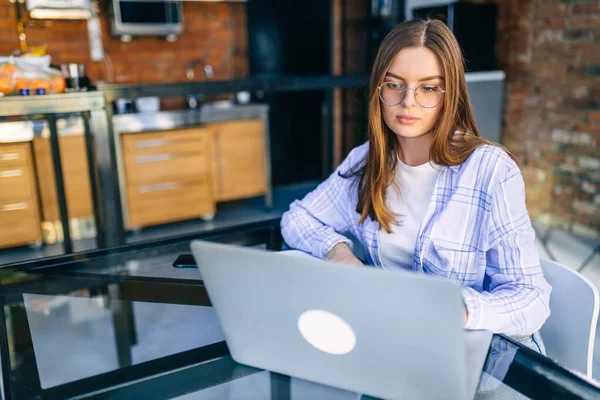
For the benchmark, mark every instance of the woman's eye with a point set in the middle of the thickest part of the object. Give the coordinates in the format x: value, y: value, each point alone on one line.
x: 429, y: 89
x: 394, y: 85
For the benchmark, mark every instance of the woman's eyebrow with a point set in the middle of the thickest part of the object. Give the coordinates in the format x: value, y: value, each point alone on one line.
x: 429, y: 78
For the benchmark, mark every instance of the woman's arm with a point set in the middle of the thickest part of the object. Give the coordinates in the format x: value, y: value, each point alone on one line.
x: 317, y: 223
x: 518, y: 296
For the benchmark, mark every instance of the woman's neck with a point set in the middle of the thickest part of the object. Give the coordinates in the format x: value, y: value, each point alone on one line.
x: 415, y: 151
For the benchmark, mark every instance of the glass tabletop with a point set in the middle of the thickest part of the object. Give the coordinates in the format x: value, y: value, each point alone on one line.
x: 124, y: 323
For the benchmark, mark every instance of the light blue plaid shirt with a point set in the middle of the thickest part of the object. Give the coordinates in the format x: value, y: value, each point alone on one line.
x: 476, y: 231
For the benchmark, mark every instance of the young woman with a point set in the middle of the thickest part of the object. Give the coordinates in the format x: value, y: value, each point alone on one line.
x: 426, y: 193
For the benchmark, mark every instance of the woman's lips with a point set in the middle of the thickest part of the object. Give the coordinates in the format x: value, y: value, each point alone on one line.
x: 406, y: 119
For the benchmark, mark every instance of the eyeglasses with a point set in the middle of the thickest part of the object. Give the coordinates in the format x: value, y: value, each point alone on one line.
x: 426, y: 95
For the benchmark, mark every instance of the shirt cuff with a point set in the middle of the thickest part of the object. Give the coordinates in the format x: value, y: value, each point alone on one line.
x: 473, y: 306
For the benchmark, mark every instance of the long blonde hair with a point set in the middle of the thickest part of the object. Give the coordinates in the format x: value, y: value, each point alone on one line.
x: 448, y: 149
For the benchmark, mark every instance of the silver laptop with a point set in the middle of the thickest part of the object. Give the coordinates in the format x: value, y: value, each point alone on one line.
x: 394, y: 335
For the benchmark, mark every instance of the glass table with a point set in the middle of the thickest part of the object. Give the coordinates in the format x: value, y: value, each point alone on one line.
x: 123, y: 323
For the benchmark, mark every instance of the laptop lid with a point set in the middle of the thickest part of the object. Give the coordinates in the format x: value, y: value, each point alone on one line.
x: 385, y: 334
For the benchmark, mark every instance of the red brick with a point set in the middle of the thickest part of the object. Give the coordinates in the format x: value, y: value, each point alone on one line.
x: 594, y: 117
x: 592, y: 8
x: 585, y: 22
x: 552, y: 23
x: 555, y: 10
x: 569, y: 115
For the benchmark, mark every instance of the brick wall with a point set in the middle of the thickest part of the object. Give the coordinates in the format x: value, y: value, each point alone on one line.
x: 550, y: 50
x: 212, y: 31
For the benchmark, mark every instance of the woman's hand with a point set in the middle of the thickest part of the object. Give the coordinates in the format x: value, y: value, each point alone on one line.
x: 342, y: 253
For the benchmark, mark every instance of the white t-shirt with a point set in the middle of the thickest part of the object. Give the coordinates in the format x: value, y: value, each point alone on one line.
x: 416, y: 184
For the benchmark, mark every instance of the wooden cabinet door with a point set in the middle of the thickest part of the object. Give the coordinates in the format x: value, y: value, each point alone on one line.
x: 75, y: 174
x: 239, y: 169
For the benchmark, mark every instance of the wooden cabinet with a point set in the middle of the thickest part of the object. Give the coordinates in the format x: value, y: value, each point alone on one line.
x: 168, y: 176
x: 75, y: 175
x: 239, y: 159
x: 180, y: 174
x: 19, y: 212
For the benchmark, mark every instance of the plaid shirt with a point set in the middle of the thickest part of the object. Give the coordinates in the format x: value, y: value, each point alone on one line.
x: 476, y: 231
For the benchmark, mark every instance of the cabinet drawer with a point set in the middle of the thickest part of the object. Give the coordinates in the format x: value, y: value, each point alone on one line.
x: 19, y: 223
x: 164, y: 167
x: 15, y: 183
x: 156, y: 203
x: 177, y: 141
x: 14, y: 155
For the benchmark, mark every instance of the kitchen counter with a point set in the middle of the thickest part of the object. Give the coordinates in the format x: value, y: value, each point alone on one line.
x: 139, y: 122
x: 165, y: 158
x: 51, y: 103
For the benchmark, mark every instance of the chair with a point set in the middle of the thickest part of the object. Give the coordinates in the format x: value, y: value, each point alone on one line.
x: 570, y: 331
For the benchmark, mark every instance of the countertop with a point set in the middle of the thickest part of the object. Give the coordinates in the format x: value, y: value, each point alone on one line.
x: 138, y: 122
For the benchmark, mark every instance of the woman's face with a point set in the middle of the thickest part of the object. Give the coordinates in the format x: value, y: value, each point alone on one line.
x: 413, y: 67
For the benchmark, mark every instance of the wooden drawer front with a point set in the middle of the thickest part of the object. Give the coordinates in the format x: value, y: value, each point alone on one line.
x: 156, y: 203
x: 15, y: 183
x: 14, y: 155
x: 164, y: 167
x: 183, y: 141
x: 19, y: 223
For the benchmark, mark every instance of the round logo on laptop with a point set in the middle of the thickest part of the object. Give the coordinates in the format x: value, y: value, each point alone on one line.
x: 327, y: 332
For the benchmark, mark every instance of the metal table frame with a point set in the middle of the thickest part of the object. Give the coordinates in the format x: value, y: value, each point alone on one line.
x: 97, y: 115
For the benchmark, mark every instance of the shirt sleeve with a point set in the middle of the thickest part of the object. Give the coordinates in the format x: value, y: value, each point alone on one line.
x: 517, y: 298
x: 319, y: 221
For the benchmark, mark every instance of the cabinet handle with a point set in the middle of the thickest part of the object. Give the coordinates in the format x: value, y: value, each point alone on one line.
x: 153, y: 158
x: 11, y: 173
x: 159, y: 187
x: 151, y: 143
x: 9, y: 156
x: 13, y: 207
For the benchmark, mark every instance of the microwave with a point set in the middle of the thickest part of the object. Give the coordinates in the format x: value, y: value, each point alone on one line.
x: 146, y: 18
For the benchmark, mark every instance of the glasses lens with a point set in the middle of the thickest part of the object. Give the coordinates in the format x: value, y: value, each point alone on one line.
x: 429, y: 95
x: 392, y: 93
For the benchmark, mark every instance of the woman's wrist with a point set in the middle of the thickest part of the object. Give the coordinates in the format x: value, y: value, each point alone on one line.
x: 339, y: 250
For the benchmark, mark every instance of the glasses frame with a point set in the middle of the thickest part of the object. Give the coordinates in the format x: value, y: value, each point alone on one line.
x: 414, y: 90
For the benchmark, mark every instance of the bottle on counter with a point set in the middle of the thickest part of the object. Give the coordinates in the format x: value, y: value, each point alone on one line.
x: 40, y: 86
x: 23, y: 86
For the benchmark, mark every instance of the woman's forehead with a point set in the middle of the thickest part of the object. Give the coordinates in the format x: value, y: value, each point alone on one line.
x: 416, y: 63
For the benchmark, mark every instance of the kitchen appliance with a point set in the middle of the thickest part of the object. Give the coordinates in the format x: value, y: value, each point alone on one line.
x: 75, y: 78
x: 150, y: 104
x: 146, y: 18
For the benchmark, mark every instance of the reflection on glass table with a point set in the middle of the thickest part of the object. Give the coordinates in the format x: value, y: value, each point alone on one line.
x: 86, y: 326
